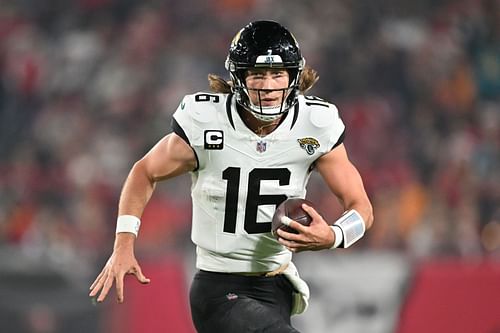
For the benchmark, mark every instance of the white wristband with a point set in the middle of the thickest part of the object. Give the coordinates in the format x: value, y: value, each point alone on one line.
x: 352, y: 225
x: 339, y: 236
x: 128, y: 223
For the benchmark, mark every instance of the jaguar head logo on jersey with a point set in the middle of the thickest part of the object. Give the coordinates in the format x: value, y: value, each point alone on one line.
x: 214, y: 139
x: 309, y: 144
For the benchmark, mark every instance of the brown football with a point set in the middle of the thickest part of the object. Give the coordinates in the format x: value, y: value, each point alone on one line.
x: 291, y: 207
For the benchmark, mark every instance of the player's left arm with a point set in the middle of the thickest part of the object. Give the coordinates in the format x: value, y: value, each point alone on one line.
x: 345, y: 182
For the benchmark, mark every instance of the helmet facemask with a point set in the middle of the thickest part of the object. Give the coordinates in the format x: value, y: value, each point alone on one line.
x: 265, y: 113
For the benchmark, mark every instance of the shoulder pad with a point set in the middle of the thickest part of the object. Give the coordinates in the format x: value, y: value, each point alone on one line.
x: 202, y: 107
x: 321, y: 113
x: 324, y: 117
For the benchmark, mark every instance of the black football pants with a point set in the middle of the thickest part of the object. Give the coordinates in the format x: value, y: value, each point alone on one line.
x: 222, y: 302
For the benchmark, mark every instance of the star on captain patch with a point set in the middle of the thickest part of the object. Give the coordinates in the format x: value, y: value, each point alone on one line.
x: 261, y: 146
x: 309, y: 144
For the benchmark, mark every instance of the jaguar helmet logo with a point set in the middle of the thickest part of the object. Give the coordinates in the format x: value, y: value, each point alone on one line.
x: 309, y: 144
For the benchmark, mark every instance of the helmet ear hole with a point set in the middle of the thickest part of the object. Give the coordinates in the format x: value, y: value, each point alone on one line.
x: 242, y: 75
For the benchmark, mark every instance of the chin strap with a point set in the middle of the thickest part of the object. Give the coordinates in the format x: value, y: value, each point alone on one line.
x: 266, y: 118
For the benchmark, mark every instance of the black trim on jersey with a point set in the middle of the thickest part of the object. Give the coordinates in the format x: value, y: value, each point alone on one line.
x: 295, y: 114
x: 228, y: 110
x: 180, y: 132
x: 339, y: 141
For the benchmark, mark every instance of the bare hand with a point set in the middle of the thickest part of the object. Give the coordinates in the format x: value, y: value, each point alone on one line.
x: 119, y: 264
x: 317, y: 236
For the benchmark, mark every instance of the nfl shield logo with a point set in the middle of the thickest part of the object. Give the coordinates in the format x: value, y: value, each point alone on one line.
x: 261, y: 146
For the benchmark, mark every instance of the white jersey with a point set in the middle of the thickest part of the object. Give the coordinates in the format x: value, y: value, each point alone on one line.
x: 241, y: 177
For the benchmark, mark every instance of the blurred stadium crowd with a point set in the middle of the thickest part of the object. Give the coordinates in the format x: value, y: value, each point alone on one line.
x: 88, y: 86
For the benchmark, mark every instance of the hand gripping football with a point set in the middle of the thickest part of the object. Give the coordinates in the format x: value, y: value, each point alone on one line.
x: 292, y: 208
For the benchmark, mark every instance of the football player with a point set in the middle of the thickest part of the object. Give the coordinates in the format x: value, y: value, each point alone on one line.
x: 249, y: 144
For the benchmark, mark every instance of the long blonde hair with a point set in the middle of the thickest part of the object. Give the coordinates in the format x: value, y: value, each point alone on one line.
x: 307, y: 79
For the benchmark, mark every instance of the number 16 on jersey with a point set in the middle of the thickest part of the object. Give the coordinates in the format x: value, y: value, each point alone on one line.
x: 254, y: 198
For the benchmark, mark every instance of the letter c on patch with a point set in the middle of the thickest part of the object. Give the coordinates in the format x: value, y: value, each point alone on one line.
x: 214, y: 139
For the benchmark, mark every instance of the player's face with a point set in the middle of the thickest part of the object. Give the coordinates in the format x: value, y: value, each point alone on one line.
x: 266, y: 87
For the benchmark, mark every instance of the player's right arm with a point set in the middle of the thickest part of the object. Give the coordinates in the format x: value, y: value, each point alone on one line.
x: 170, y: 157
